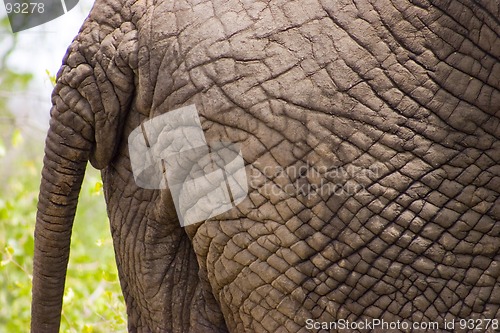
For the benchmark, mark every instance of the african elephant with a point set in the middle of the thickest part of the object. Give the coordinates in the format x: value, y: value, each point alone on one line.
x: 370, y: 136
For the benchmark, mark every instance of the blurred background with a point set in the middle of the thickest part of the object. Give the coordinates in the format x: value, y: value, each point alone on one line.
x: 29, y: 61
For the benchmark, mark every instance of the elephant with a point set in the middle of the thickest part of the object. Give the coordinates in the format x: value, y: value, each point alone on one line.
x: 369, y: 132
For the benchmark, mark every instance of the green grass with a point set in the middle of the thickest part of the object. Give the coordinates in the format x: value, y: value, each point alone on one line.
x: 92, y: 301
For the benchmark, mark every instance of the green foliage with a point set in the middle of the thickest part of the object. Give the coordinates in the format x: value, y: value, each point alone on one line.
x: 52, y: 77
x: 10, y: 81
x: 92, y: 301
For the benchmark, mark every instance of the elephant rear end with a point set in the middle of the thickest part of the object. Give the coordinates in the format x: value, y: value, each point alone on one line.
x: 370, y: 137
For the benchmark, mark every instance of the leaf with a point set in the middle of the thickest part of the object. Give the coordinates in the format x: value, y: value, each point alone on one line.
x: 14, y: 81
x: 68, y: 295
x: 17, y: 137
x: 97, y: 190
x: 109, y: 295
x: 110, y: 277
x: 9, y: 249
x: 52, y: 78
x: 4, y: 22
x: 88, y: 328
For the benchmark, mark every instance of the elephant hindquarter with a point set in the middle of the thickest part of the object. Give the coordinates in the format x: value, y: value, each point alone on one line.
x: 370, y: 134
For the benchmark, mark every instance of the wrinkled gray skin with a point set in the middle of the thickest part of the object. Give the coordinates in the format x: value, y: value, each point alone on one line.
x: 405, y: 98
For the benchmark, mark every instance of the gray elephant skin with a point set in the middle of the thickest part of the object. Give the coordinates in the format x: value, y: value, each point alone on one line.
x: 370, y: 136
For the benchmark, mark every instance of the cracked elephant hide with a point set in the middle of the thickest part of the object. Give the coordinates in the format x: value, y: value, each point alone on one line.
x: 370, y: 134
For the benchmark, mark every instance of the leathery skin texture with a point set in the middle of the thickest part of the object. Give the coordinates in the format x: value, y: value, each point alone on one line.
x: 370, y: 133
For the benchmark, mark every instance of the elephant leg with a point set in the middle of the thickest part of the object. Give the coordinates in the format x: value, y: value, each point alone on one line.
x: 157, y: 266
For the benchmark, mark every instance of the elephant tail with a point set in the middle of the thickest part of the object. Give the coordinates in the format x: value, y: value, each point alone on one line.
x: 62, y: 175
